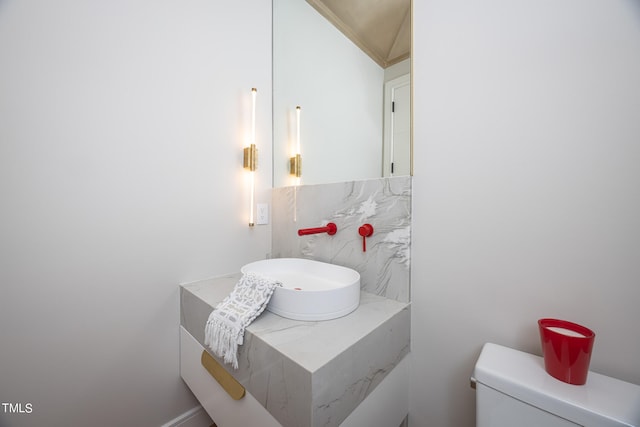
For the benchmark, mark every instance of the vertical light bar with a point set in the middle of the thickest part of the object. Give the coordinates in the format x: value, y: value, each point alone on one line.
x: 252, y: 191
x: 254, y: 93
x: 298, y: 129
x: 295, y: 162
x: 297, y: 170
x: 251, y: 157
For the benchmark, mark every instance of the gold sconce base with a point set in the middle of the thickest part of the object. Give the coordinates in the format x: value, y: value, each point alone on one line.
x: 250, y: 160
x: 295, y: 165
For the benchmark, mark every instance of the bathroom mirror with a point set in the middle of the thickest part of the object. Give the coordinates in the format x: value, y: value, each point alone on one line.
x: 344, y: 63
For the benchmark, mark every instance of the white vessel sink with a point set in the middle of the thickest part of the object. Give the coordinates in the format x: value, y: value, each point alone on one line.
x: 311, y: 290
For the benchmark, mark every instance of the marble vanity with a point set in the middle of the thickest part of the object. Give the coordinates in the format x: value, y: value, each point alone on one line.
x: 306, y: 374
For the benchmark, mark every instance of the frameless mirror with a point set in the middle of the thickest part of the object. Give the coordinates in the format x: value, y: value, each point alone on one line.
x: 346, y: 64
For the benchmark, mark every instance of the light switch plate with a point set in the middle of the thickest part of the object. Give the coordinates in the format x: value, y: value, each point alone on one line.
x: 263, y: 214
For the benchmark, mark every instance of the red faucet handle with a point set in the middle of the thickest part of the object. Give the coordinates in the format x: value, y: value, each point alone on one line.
x: 365, y: 231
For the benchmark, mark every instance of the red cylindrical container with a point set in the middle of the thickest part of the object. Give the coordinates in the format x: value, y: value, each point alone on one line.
x: 566, y: 348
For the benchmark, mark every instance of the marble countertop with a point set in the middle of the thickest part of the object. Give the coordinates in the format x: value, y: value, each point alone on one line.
x: 308, y: 373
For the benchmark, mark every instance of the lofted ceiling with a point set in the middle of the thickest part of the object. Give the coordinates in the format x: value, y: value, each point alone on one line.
x: 381, y: 28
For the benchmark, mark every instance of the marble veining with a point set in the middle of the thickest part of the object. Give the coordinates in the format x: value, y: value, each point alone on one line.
x: 308, y: 374
x: 384, y: 203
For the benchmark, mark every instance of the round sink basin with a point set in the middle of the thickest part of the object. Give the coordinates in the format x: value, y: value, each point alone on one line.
x: 311, y: 290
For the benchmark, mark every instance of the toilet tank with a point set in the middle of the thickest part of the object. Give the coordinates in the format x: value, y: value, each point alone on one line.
x: 513, y: 389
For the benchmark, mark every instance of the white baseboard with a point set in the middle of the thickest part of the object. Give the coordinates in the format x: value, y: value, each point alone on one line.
x: 194, y: 417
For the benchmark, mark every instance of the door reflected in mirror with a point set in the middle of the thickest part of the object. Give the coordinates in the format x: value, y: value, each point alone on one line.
x: 355, y: 120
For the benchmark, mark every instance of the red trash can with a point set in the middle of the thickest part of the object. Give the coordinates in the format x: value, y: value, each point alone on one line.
x: 566, y: 349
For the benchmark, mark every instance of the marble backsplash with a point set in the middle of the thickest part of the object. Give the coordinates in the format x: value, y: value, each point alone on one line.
x: 384, y: 203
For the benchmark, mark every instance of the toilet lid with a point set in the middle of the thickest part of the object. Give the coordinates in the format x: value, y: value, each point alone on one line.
x: 602, y: 401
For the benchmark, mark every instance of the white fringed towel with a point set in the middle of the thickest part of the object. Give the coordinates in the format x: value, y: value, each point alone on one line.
x: 225, y: 327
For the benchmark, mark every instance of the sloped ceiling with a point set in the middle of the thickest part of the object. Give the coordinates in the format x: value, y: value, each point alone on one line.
x: 381, y: 28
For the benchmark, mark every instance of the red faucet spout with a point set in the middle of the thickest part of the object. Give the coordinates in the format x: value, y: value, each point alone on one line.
x: 330, y: 229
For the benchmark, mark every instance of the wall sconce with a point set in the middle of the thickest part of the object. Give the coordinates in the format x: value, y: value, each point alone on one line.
x: 250, y: 158
x: 295, y: 166
x: 295, y: 162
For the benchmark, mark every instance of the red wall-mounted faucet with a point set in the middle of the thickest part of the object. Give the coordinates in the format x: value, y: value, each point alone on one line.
x: 330, y: 229
x: 365, y: 231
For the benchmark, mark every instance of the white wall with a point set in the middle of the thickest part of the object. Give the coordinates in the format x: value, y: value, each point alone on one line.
x: 526, y: 198
x: 121, y: 127
x: 339, y: 89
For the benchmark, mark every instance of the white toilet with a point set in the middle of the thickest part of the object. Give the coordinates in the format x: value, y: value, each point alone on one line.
x: 513, y: 389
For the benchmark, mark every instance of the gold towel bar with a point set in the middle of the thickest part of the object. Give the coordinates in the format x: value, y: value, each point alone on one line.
x: 226, y: 380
